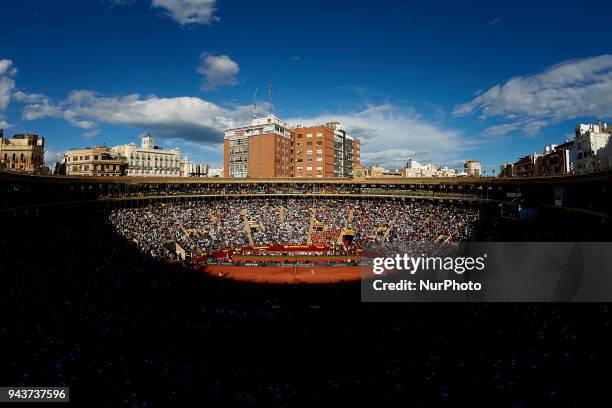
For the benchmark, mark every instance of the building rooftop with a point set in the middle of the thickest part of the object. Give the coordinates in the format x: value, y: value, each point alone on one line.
x: 260, y: 126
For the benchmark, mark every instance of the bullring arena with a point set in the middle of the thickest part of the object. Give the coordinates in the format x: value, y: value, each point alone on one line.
x: 295, y: 231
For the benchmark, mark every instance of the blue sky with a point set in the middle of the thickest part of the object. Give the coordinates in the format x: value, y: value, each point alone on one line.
x: 435, y: 81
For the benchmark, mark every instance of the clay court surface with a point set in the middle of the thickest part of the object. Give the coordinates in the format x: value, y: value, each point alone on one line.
x: 286, y: 274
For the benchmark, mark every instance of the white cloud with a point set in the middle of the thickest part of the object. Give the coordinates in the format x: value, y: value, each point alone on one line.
x: 121, y: 2
x: 188, y: 12
x: 7, y: 84
x: 388, y: 157
x: 21, y: 96
x: 500, y: 130
x: 41, y: 110
x: 6, y: 87
x: 38, y: 106
x: 90, y: 134
x: 7, y: 68
x: 73, y: 116
x: 390, y: 135
x: 187, y: 118
x: 568, y: 90
x: 217, y: 71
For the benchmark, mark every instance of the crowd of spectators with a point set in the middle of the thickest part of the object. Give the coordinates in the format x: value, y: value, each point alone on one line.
x: 206, y: 226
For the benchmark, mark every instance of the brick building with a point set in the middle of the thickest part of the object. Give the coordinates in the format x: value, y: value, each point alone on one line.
x: 269, y: 148
x: 260, y: 150
x: 324, y: 151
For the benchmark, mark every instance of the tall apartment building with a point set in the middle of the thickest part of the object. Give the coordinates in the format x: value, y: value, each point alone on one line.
x: 324, y: 151
x: 260, y: 150
x: 150, y: 160
x: 22, y: 152
x: 97, y: 161
x: 347, y: 151
x: 269, y: 148
x: 313, y: 151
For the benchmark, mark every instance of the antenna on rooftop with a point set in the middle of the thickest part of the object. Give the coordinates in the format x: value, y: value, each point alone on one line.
x: 270, y: 95
x: 255, y: 105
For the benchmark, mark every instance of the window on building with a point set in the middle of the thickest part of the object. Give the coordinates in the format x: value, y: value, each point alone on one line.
x: 309, y: 135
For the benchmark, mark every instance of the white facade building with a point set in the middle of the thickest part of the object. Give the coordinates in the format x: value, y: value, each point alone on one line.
x: 149, y: 160
x: 415, y: 169
x: 189, y: 169
x: 592, y: 148
x: 216, y: 172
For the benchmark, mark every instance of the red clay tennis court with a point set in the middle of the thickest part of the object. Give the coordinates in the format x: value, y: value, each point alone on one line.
x: 286, y: 274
